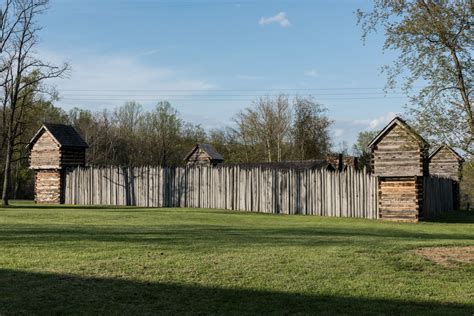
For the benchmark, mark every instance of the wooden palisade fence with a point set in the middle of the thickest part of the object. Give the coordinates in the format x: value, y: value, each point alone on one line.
x: 289, y: 191
x: 439, y: 196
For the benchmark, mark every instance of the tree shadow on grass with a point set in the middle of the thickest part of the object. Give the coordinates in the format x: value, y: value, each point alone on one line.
x: 455, y: 217
x: 221, y: 236
x: 41, y: 293
x: 71, y: 207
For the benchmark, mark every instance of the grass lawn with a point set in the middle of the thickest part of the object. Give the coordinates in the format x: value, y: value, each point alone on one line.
x: 56, y: 260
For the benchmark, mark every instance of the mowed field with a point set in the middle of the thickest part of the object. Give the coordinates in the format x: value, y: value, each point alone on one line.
x: 77, y: 260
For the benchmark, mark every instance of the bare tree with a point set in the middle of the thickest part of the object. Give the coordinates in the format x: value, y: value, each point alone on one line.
x: 23, y: 74
x: 267, y: 124
x: 360, y: 148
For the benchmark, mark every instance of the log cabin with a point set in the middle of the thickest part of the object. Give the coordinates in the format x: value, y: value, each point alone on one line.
x: 54, y: 148
x: 204, y: 155
x: 446, y: 162
x: 400, y: 160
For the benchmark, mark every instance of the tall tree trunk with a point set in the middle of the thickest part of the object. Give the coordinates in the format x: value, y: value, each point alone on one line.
x: 278, y: 150
x: 16, y: 185
x: 269, y: 151
x: 6, y: 175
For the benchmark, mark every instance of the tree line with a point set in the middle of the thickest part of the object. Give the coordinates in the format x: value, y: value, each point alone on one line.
x: 270, y: 129
x: 433, y: 40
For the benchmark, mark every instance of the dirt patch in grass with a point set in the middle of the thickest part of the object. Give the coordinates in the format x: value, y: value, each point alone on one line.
x: 447, y: 256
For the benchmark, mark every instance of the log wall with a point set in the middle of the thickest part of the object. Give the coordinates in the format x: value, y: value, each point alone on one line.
x: 398, y: 154
x: 291, y: 191
x: 48, y: 186
x: 401, y: 199
x: 199, y: 157
x: 45, y: 153
x: 72, y: 156
x: 445, y: 164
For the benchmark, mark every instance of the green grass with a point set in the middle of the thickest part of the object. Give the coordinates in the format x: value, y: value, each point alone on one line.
x: 77, y: 260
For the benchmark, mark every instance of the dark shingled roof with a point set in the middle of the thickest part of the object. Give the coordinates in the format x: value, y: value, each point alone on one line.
x: 208, y: 149
x: 65, y: 135
x: 299, y: 165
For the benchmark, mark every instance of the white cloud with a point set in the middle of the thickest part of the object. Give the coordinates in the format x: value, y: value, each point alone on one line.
x: 105, y: 81
x: 311, y: 73
x: 249, y: 77
x: 148, y: 53
x: 376, y: 123
x: 279, y: 18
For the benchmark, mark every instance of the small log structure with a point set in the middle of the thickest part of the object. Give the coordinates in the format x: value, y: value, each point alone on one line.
x: 203, y: 155
x: 400, y: 160
x: 351, y: 162
x: 342, y: 162
x: 445, y: 162
x: 54, y: 148
x: 336, y: 160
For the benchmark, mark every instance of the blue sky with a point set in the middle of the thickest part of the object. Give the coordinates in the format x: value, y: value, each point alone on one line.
x: 211, y: 58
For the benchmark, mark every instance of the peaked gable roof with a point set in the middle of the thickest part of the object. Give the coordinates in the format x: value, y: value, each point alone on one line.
x: 455, y: 154
x: 400, y: 122
x: 63, y: 135
x: 208, y: 149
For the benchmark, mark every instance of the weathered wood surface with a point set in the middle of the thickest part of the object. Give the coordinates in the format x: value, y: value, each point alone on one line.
x: 414, y: 198
x: 199, y: 157
x: 48, y: 184
x: 309, y: 192
x: 71, y: 157
x: 445, y: 164
x: 45, y: 153
x: 400, y: 198
x: 438, y: 196
x: 398, y: 154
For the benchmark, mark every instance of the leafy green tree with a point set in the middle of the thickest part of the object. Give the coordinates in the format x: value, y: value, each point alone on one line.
x: 310, y: 129
x: 434, y: 40
x: 361, y: 149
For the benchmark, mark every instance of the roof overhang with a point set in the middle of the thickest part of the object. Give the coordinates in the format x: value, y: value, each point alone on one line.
x: 455, y: 154
x: 400, y: 122
x: 38, y: 134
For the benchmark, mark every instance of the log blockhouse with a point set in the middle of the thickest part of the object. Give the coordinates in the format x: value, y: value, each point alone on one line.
x: 400, y: 160
x: 54, y: 148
